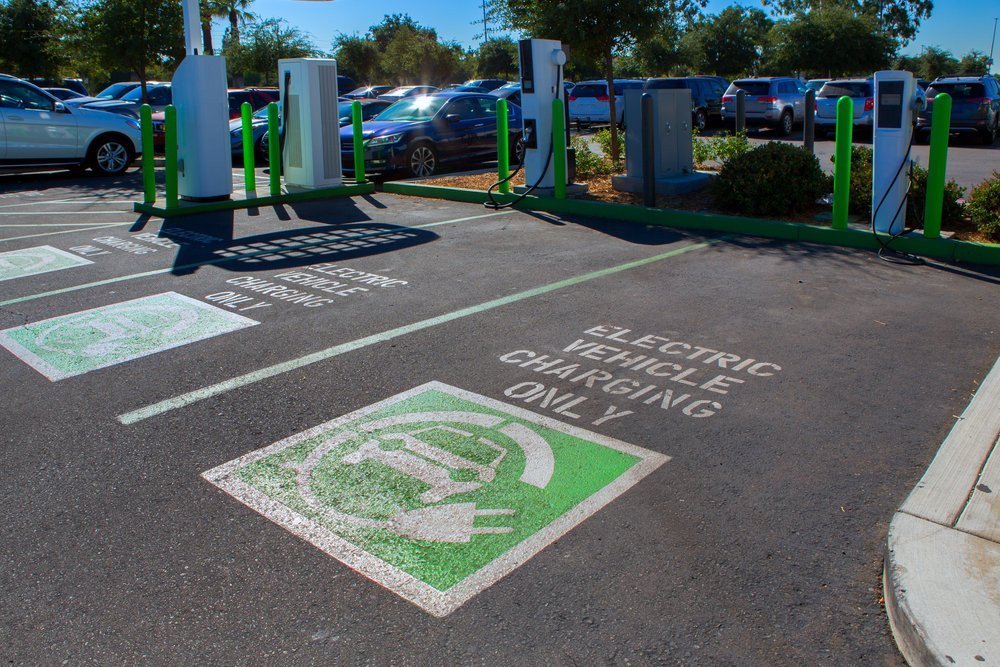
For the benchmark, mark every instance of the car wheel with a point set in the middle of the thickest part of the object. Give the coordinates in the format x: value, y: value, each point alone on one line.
x: 786, y: 123
x: 700, y: 120
x: 111, y: 155
x: 421, y: 160
x: 989, y: 137
x: 519, y: 150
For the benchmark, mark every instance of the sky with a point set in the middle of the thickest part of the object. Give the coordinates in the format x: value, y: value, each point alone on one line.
x: 955, y: 25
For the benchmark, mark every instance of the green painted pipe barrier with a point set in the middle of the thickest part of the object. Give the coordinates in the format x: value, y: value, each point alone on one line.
x: 559, y: 148
x: 503, y: 147
x: 170, y: 138
x: 148, y: 159
x: 842, y: 165
x: 249, y: 173
x: 273, y: 149
x: 359, y: 143
x: 937, y: 165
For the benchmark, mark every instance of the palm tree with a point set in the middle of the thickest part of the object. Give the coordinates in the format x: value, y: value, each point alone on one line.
x: 236, y: 11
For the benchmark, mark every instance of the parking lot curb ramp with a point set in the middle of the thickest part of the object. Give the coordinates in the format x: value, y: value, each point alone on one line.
x: 942, y: 569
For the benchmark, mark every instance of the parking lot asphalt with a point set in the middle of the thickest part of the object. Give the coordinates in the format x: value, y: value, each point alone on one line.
x: 730, y: 424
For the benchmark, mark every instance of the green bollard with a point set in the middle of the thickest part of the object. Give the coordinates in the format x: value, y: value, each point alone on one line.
x: 249, y: 173
x: 937, y: 166
x: 842, y: 165
x: 148, y: 158
x: 358, y: 146
x: 503, y: 147
x: 559, y: 148
x: 274, y: 149
x: 170, y: 137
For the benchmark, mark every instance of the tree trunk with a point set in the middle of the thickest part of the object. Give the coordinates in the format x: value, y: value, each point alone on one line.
x: 206, y: 37
x: 234, y: 25
x: 609, y: 74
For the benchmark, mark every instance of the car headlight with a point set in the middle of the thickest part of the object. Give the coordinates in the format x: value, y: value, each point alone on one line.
x: 132, y: 122
x: 385, y: 141
x: 237, y: 133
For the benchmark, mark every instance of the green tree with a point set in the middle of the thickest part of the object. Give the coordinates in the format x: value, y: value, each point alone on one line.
x: 237, y: 12
x: 831, y: 41
x: 135, y: 35
x: 974, y: 62
x: 415, y: 56
x: 385, y: 32
x: 732, y: 42
x: 934, y: 62
x: 30, y: 34
x: 264, y: 43
x: 598, y: 29
x: 899, y: 19
x: 668, y: 51
x: 359, y: 56
x: 497, y: 58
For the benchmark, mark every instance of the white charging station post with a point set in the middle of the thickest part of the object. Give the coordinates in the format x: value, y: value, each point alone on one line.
x: 311, y: 128
x: 199, y: 91
x: 541, y: 62
x: 895, y: 100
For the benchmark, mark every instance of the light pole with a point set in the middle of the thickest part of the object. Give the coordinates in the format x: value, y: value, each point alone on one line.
x: 992, y: 43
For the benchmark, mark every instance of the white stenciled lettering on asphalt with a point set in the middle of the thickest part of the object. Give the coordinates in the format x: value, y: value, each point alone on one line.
x: 673, y: 375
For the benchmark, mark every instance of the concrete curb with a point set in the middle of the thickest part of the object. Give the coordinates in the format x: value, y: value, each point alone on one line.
x: 942, y: 569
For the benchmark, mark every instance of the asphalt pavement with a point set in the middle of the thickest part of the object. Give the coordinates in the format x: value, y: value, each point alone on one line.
x: 229, y: 437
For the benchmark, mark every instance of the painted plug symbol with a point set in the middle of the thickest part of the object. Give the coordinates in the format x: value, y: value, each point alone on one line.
x: 446, y: 523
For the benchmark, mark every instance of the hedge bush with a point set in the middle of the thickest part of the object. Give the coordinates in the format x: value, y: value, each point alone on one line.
x: 589, y: 163
x: 603, y: 139
x: 721, y: 148
x: 772, y: 179
x: 984, y: 206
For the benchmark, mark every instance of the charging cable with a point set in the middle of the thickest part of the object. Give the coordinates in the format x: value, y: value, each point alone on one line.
x: 886, y: 252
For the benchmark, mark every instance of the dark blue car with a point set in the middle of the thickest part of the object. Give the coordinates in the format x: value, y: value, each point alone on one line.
x: 420, y: 134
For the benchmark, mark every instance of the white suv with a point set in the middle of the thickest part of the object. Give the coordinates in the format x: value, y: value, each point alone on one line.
x: 37, y: 131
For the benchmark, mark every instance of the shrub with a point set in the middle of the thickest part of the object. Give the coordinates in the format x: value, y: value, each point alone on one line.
x: 861, y: 192
x: 603, y: 139
x: 772, y: 179
x: 721, y: 148
x: 589, y: 163
x: 701, y: 150
x: 984, y: 206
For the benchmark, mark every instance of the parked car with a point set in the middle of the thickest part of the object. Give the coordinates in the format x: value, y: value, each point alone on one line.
x: 345, y: 115
x: 816, y: 84
x: 464, y: 89
x: 417, y: 135
x: 589, y: 101
x: 511, y: 92
x: 367, y: 92
x: 63, y: 94
x: 487, y: 84
x: 861, y: 92
x: 397, y: 94
x: 76, y: 85
x: 257, y: 97
x: 706, y: 97
x: 157, y: 96
x: 37, y: 131
x: 975, y: 106
x: 770, y: 102
x: 113, y: 92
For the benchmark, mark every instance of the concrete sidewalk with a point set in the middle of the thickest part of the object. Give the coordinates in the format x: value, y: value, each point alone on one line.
x: 942, y: 571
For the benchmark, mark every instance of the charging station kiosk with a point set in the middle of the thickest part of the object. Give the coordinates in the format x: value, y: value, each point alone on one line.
x: 310, y: 123
x: 541, y: 63
x: 200, y: 95
x: 896, y: 100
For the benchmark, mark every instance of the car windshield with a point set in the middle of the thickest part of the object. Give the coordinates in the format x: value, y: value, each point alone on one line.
x: 135, y: 95
x: 359, y: 91
x: 262, y: 112
x: 958, y: 91
x: 666, y: 84
x: 840, y: 89
x: 399, y: 92
x: 113, y: 92
x: 752, y: 87
x: 414, y: 109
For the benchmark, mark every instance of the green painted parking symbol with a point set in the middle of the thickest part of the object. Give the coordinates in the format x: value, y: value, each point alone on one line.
x: 435, y: 493
x: 33, y: 261
x: 69, y: 345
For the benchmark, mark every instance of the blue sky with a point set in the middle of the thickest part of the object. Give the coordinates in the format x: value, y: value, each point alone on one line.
x: 956, y: 25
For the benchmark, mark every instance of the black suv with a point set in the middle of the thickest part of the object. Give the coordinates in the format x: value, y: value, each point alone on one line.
x: 706, y: 96
x: 975, y: 107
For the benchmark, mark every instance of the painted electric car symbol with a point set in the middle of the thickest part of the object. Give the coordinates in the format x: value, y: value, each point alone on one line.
x: 443, y: 471
x: 97, y: 334
x: 27, y: 261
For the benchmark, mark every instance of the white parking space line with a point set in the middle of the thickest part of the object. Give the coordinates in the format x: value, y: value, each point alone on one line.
x: 68, y: 231
x: 60, y: 212
x: 63, y: 224
x: 222, y: 260
x: 67, y: 201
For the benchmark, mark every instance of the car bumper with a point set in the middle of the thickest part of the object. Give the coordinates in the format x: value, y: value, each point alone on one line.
x: 957, y: 126
x: 378, y: 160
x: 826, y: 122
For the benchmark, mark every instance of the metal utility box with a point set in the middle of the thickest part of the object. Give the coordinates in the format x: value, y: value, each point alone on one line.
x: 311, y: 151
x: 672, y: 137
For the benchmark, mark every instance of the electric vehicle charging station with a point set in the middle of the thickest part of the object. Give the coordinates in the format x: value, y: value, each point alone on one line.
x: 897, y: 98
x: 541, y: 71
x: 311, y: 143
x: 200, y: 95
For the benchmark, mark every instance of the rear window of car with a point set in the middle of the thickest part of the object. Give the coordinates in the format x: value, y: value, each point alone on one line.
x: 958, y: 91
x: 621, y: 87
x: 751, y: 87
x: 665, y: 84
x: 846, y: 88
x: 590, y: 90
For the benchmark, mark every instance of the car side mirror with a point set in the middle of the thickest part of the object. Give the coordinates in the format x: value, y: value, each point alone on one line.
x: 60, y: 108
x: 452, y: 118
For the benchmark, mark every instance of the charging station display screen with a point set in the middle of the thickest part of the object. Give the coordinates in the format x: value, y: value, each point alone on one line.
x: 890, y: 104
x: 527, y: 68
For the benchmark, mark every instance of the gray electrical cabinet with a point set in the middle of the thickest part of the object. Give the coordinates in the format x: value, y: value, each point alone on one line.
x: 672, y: 153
